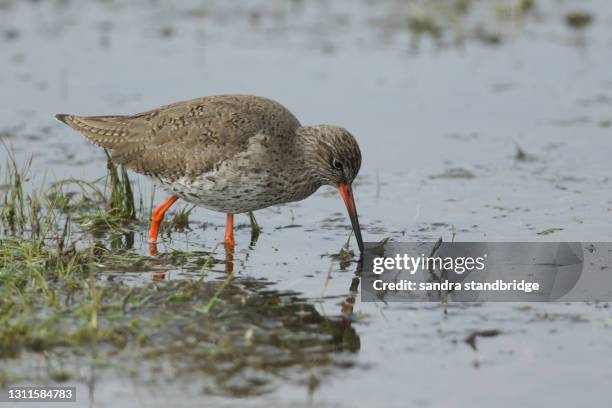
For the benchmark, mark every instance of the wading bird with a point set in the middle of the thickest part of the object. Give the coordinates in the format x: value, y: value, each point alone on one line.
x: 228, y: 153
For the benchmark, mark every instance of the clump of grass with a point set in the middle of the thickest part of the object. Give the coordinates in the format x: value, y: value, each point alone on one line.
x: 578, y: 20
x: 38, y: 246
x: 523, y: 156
x: 121, y: 203
x: 101, y: 208
x: 424, y: 24
x: 49, y: 293
x: 345, y: 255
x: 180, y: 220
x: 13, y: 214
x: 118, y: 208
x: 550, y: 231
x: 255, y: 229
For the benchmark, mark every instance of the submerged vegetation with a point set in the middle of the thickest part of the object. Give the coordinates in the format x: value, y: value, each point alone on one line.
x: 67, y: 293
x: 455, y: 22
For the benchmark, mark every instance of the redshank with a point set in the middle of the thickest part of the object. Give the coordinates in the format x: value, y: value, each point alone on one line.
x: 228, y: 153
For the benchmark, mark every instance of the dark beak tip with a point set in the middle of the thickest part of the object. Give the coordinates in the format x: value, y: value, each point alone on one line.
x: 347, y: 195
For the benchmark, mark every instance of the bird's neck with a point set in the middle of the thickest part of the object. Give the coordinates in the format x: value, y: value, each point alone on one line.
x: 307, y: 142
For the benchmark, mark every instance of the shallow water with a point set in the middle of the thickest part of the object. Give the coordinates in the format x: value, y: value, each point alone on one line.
x: 438, y: 122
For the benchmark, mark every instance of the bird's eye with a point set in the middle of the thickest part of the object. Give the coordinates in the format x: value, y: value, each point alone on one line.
x: 337, y: 164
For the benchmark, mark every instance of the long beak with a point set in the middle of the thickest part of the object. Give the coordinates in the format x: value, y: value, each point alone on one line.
x: 346, y: 192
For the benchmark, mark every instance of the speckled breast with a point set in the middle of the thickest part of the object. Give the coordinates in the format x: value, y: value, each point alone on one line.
x: 236, y: 192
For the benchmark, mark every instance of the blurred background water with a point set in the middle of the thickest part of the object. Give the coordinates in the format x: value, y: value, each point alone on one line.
x: 487, y: 120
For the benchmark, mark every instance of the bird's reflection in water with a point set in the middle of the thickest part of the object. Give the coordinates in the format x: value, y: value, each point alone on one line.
x: 230, y: 247
x: 228, y: 261
x: 251, y: 341
x: 229, y: 257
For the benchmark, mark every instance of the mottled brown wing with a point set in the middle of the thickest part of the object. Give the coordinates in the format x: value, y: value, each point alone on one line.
x: 186, y: 138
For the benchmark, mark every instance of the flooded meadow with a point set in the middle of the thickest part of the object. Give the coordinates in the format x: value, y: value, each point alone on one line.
x: 477, y: 121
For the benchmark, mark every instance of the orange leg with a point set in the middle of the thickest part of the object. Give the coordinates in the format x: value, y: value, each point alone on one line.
x: 158, y: 216
x: 229, y: 244
x: 229, y: 230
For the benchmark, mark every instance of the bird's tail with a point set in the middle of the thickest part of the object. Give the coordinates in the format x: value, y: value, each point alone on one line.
x: 104, y: 131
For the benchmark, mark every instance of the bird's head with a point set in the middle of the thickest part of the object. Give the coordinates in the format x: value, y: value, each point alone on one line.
x: 334, y: 159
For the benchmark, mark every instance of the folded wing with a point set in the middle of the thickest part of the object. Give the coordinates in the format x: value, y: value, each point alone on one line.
x: 186, y: 138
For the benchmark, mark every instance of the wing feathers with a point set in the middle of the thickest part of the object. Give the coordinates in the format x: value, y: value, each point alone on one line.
x: 186, y: 138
